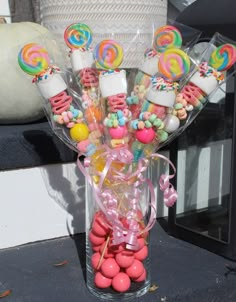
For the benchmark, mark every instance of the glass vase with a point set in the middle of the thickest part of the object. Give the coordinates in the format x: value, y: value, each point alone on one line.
x: 117, y: 260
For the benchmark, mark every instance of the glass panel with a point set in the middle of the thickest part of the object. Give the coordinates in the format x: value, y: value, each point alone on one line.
x: 204, y: 169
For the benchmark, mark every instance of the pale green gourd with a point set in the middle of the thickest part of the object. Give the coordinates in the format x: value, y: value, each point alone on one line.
x: 20, y: 101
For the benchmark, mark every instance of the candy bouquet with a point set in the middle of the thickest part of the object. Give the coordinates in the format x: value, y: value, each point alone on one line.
x: 117, y: 135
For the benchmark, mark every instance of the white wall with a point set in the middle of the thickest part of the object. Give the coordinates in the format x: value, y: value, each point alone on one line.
x: 40, y: 203
x: 4, y: 10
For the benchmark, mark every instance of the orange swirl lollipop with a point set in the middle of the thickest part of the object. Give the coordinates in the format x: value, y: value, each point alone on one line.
x: 33, y: 59
x: 108, y: 54
x: 173, y: 64
x: 167, y: 37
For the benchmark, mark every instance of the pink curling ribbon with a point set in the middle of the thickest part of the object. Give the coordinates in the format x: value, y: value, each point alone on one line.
x: 112, y: 214
x: 170, y: 194
x: 108, y: 203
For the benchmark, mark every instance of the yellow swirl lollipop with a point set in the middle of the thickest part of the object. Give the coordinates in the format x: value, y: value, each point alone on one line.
x: 173, y: 64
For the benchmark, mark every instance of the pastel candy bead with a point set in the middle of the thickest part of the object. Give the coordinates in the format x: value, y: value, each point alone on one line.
x: 118, y: 132
x: 101, y: 281
x: 146, y: 135
x: 121, y: 282
x: 142, y: 253
x: 135, y: 270
x: 110, y: 268
x: 96, y: 240
x: 124, y: 260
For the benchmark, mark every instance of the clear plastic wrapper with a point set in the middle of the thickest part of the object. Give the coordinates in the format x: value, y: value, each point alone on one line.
x: 63, y: 105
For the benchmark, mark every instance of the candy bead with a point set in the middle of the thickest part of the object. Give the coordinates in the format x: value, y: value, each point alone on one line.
x: 121, y: 282
x: 101, y: 281
x: 110, y: 268
x: 135, y: 270
x: 79, y: 132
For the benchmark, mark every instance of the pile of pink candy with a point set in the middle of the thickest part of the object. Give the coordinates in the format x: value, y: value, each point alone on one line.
x: 115, y: 265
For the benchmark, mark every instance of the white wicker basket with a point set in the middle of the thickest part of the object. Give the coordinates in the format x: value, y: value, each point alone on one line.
x: 130, y: 22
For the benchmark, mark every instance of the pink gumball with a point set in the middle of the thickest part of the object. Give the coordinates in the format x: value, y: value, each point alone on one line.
x: 142, y: 277
x: 109, y: 253
x: 146, y: 135
x: 141, y: 243
x: 135, y: 270
x: 99, y: 228
x: 110, y: 268
x: 95, y: 260
x: 96, y: 248
x: 101, y: 281
x: 94, y: 239
x: 142, y: 253
x: 121, y: 282
x: 124, y: 259
x: 118, y: 132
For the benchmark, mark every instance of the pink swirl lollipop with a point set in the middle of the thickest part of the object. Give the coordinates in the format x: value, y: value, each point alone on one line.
x: 223, y: 57
x: 173, y: 64
x: 108, y: 54
x: 167, y: 37
x: 33, y: 59
x: 78, y: 35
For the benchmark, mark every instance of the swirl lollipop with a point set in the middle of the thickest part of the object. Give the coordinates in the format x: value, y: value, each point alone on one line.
x: 33, y: 59
x: 78, y: 35
x: 173, y: 64
x: 223, y: 57
x: 108, y: 54
x: 167, y: 37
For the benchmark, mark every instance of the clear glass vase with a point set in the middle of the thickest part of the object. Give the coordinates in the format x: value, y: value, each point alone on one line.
x: 118, y: 269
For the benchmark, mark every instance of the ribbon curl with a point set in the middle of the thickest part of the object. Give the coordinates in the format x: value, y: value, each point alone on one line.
x: 109, y: 204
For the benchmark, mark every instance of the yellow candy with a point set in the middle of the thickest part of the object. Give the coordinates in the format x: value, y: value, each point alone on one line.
x: 79, y: 132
